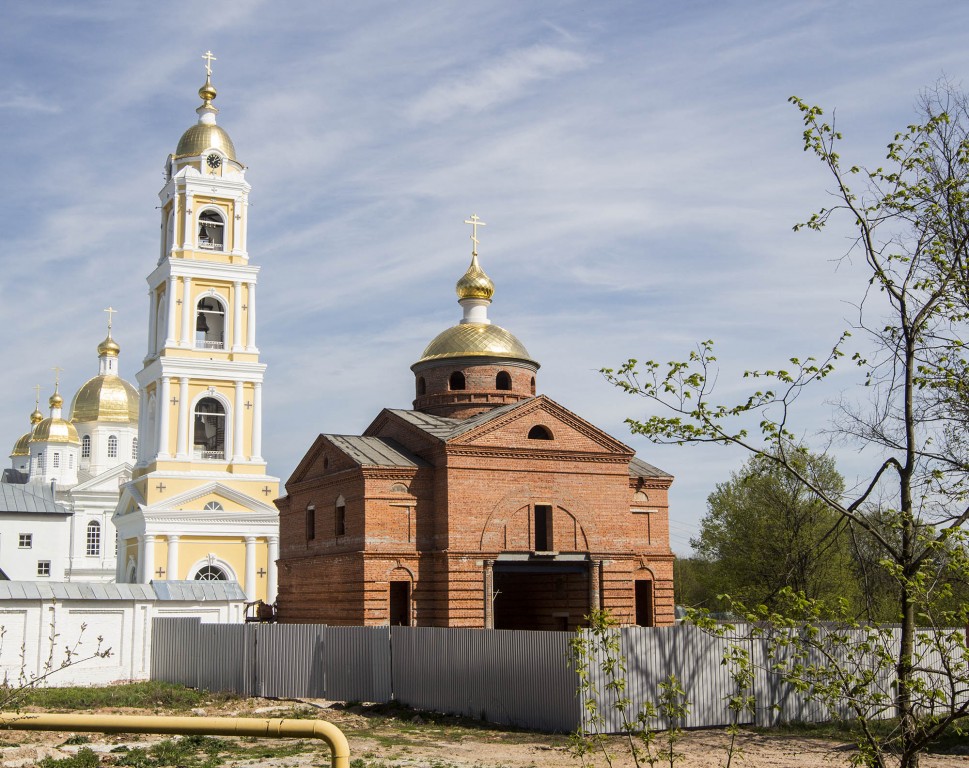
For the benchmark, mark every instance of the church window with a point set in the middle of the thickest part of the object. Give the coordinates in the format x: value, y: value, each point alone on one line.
x: 533, y: 385
x: 210, y: 324
x: 211, y: 573
x: 70, y: 461
x: 43, y: 567
x: 208, y: 441
x: 213, y: 506
x: 25, y: 541
x: 421, y: 386
x: 113, y: 447
x: 57, y: 460
x: 456, y: 381
x: 86, y: 447
x: 543, y: 528
x: 398, y: 488
x: 503, y: 380
x: 93, y: 538
x: 211, y: 231
x: 134, y: 448
x: 310, y: 522
x: 539, y: 432
x: 340, y: 518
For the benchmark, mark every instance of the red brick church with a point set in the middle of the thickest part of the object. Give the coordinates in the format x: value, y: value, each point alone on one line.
x: 485, y: 506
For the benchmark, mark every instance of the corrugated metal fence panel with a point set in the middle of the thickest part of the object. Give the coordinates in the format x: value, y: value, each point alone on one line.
x: 223, y: 658
x: 169, y: 640
x: 430, y: 668
x: 528, y: 683
x: 357, y: 664
x: 288, y: 660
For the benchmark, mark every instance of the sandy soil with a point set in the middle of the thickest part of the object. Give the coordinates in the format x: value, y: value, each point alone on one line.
x: 381, y: 738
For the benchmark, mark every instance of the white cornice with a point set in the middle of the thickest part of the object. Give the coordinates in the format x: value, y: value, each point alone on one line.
x: 169, y: 267
x: 197, y: 368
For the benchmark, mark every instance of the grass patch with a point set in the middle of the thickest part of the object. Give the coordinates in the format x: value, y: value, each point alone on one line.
x: 143, y: 695
x: 952, y: 740
x: 85, y: 758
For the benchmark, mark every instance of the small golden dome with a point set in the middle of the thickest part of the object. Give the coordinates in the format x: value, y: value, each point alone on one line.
x: 36, y: 417
x: 21, y: 447
x: 203, y: 136
x: 476, y: 340
x: 475, y: 284
x: 54, y: 430
x: 207, y: 92
x: 109, y: 347
x: 56, y: 401
x: 105, y: 398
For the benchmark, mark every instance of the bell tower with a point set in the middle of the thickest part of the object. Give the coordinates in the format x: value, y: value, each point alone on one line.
x: 199, y: 505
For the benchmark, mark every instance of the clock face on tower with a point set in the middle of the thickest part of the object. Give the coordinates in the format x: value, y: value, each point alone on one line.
x: 213, y: 160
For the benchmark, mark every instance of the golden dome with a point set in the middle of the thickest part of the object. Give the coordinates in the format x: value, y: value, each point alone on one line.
x: 22, y: 447
x: 105, y: 398
x: 201, y: 137
x: 56, y: 401
x: 109, y: 347
x: 475, y: 284
x: 476, y: 340
x: 54, y: 430
x: 36, y: 417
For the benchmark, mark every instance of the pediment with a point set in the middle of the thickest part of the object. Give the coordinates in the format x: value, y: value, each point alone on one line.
x: 311, y: 465
x: 231, y: 500
x: 569, y: 432
x: 108, y: 481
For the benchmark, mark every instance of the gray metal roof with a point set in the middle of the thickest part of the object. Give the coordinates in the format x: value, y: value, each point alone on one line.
x: 192, y: 591
x: 445, y: 428
x: 376, y: 451
x: 175, y: 591
x: 33, y: 499
x: 639, y: 468
x: 58, y: 590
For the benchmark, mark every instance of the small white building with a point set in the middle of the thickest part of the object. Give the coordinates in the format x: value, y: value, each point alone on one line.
x: 35, y: 533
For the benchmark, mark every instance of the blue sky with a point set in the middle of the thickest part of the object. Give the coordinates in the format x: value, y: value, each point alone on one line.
x: 637, y: 164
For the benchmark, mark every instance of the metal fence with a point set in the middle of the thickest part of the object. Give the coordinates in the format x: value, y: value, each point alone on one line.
x: 502, y: 676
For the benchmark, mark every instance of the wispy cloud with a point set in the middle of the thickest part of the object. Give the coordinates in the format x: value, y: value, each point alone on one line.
x: 27, y: 102
x: 496, y: 82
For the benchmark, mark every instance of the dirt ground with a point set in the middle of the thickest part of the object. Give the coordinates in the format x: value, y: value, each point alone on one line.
x: 384, y: 738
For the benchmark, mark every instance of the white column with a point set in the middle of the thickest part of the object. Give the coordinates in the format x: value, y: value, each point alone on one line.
x: 237, y: 226
x: 237, y: 429
x: 152, y: 319
x: 142, y: 423
x: 146, y: 557
x: 237, y: 316
x: 170, y: 338
x: 163, y: 409
x: 251, y: 319
x: 250, y: 586
x: 187, y: 339
x: 256, y: 453
x: 188, y: 235
x: 243, y: 244
x: 181, y: 448
x: 172, y: 565
x: 271, y: 569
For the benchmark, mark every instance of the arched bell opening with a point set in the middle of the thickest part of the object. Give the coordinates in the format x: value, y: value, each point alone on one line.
x: 211, y: 231
x: 208, y: 434
x: 210, y: 323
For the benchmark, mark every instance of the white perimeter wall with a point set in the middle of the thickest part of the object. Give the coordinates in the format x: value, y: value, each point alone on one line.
x: 36, y: 631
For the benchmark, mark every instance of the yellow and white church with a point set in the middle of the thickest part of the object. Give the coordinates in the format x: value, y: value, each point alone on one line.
x: 199, y: 502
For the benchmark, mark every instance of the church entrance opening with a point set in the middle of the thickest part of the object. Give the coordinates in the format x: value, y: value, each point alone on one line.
x: 400, y: 603
x: 540, y: 596
x: 644, y: 602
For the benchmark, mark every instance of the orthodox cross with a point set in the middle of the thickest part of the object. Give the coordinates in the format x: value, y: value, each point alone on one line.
x: 160, y: 572
x: 37, y: 397
x: 261, y: 572
x: 174, y: 401
x: 475, y: 222
x: 248, y: 405
x: 111, y: 312
x: 267, y: 490
x: 160, y: 487
x: 209, y: 58
x: 57, y: 376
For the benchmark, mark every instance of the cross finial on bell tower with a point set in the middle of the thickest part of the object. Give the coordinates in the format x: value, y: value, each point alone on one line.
x: 209, y: 58
x: 111, y: 312
x: 475, y: 222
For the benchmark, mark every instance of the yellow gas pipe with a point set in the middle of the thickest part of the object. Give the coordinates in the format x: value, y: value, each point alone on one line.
x: 208, y: 726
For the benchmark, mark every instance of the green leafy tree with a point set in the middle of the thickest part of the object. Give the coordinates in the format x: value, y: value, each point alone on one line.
x: 765, y: 530
x: 911, y: 225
